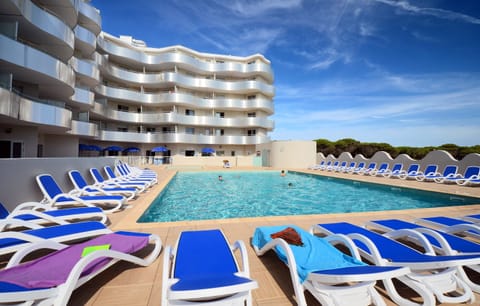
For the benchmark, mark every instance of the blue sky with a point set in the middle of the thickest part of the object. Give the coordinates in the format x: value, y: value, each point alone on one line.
x: 401, y: 72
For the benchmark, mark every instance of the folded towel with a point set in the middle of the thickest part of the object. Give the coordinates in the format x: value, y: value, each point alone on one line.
x: 290, y: 235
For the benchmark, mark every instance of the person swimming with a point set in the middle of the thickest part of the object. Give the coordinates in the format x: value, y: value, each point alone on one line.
x: 282, y: 173
x: 220, y: 178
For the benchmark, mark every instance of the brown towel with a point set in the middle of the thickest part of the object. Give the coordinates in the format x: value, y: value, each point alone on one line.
x: 290, y: 235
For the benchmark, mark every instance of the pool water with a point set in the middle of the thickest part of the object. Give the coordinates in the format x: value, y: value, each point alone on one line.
x: 202, y: 196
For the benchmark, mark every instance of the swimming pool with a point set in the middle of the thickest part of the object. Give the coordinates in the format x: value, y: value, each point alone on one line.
x: 201, y: 196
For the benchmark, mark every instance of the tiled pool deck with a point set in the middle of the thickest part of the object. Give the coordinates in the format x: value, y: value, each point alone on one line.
x: 127, y: 284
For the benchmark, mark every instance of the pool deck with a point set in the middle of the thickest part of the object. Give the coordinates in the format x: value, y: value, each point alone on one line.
x: 127, y: 284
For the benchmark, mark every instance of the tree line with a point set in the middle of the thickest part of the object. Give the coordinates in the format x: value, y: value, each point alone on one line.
x: 368, y: 149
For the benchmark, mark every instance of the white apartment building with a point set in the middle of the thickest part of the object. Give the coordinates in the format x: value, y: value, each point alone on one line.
x: 67, y: 89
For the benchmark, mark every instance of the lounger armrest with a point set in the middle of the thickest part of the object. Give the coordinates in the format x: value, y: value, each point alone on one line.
x: 73, y: 281
x: 240, y: 245
x: 415, y: 235
x: 44, y: 244
x: 373, y: 251
x: 27, y: 206
x: 5, y: 224
x: 346, y: 241
x: 73, y: 197
x: 39, y: 214
x: 461, y: 228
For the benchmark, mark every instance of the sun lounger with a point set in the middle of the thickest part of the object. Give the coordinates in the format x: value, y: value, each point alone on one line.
x: 475, y: 218
x: 125, y: 171
x: 442, y: 242
x: 434, y: 176
x: 349, y: 168
x: 410, y: 173
x: 394, y: 172
x: 83, y: 188
x: 34, y: 212
x: 51, y: 279
x: 333, y: 166
x: 332, y: 277
x: 369, y: 169
x: 101, y: 182
x: 119, y: 178
x: 449, y: 175
x: 441, y: 274
x: 202, y: 270
x: 317, y: 166
x: 340, y: 167
x: 358, y: 168
x: 380, y: 171
x: 12, y: 241
x: 470, y: 178
x: 453, y: 225
x: 55, y: 197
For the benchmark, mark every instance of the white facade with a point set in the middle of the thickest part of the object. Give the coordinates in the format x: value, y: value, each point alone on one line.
x: 64, y: 82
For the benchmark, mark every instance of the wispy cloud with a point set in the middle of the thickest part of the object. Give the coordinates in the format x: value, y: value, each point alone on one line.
x: 436, y: 12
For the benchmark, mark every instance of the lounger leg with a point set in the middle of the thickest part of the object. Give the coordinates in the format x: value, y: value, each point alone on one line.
x: 425, y: 294
x: 444, y: 282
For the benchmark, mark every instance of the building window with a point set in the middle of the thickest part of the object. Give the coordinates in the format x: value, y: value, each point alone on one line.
x: 251, y: 97
x: 232, y: 153
x: 253, y: 114
x: 168, y: 129
x: 220, y: 114
x: 190, y: 130
x: 252, y: 132
x: 219, y: 132
x: 189, y: 112
x: 189, y: 153
x: 122, y: 108
x: 150, y: 130
x: 122, y: 129
x: 220, y: 153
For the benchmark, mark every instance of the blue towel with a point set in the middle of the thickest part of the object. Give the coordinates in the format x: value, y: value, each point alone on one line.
x: 316, y: 254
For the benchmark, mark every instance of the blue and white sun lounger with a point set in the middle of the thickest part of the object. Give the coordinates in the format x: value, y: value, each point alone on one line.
x: 470, y: 178
x: 12, y: 241
x: 202, y: 270
x: 369, y: 169
x: 55, y: 197
x: 332, y: 277
x: 394, y: 172
x: 441, y: 274
x: 34, y: 212
x: 437, y: 176
x: 453, y: 225
x: 51, y: 279
x: 411, y: 172
x: 83, y: 188
x: 113, y: 177
x: 101, y: 182
x: 443, y: 243
x: 381, y: 170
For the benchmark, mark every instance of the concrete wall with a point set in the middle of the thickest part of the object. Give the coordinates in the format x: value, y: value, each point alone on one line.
x: 17, y: 176
x: 292, y: 154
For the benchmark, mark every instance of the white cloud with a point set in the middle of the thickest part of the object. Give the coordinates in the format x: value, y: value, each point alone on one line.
x: 439, y: 13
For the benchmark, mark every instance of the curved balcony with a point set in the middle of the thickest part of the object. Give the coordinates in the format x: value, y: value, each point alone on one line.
x: 175, y: 118
x: 89, y: 17
x: 163, y: 79
x: 85, y: 41
x: 82, y: 128
x: 64, y: 9
x: 40, y: 27
x: 55, y: 79
x: 86, y: 71
x: 135, y: 97
x: 180, y: 138
x: 84, y: 99
x: 168, y: 58
x: 27, y: 110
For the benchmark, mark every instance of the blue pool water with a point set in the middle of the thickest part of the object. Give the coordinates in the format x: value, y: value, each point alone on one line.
x: 201, y: 196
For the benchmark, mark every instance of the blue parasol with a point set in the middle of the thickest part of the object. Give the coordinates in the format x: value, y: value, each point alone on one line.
x: 159, y: 149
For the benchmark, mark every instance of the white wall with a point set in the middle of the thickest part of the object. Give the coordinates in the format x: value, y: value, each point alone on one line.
x: 292, y: 154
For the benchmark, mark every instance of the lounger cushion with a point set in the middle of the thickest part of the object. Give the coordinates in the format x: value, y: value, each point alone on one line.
x: 53, y: 269
x: 205, y: 263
